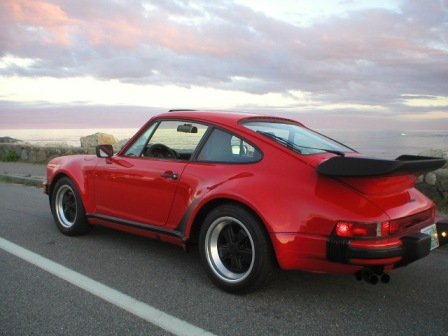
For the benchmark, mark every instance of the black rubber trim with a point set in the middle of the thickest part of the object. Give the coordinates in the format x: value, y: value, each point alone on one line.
x: 414, y: 246
x: 359, y: 253
x: 338, y: 249
x: 140, y: 226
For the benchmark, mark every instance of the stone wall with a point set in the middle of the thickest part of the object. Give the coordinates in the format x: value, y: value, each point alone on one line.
x: 38, y: 154
x: 30, y: 153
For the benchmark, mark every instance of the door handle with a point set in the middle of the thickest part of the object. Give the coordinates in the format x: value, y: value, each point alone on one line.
x: 170, y: 175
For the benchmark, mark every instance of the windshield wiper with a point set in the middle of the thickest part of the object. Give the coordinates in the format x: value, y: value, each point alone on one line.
x: 297, y: 148
x: 333, y: 151
x: 282, y: 141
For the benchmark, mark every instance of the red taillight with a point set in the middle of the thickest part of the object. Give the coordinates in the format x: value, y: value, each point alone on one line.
x: 348, y: 229
x: 385, y: 228
x: 382, y: 229
x: 406, y: 223
x: 343, y: 229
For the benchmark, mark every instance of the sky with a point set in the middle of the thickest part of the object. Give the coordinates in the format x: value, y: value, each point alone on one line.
x: 327, y: 63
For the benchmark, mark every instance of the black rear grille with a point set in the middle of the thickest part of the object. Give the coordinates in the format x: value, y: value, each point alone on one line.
x: 337, y: 250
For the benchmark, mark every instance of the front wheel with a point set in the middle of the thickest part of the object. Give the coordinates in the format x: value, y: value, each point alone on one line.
x: 68, y: 210
x: 235, y: 250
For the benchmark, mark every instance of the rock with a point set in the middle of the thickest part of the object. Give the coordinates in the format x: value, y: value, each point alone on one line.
x: 428, y: 191
x: 435, y: 184
x: 9, y: 140
x: 119, y: 145
x: 442, y: 182
x: 24, y: 155
x: 91, y: 141
x: 430, y: 178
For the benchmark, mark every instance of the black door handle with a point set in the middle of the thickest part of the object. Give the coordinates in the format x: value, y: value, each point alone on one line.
x: 170, y: 175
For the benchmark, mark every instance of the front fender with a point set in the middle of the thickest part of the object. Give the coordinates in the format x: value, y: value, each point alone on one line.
x: 80, y: 169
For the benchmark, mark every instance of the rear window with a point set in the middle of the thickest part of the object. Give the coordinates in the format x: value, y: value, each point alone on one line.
x: 296, y: 137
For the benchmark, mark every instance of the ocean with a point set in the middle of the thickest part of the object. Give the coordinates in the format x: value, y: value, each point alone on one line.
x: 387, y: 144
x: 390, y: 144
x: 67, y: 136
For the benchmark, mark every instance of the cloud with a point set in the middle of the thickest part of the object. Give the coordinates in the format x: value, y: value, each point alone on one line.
x: 368, y: 56
x: 42, y: 115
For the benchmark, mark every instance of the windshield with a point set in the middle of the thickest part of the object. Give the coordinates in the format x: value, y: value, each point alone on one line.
x: 297, y: 138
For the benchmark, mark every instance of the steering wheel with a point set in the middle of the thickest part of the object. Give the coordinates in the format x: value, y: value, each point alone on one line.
x: 160, y: 151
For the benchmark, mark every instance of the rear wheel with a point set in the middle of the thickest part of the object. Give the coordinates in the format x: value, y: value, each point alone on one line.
x: 235, y: 250
x: 68, y: 210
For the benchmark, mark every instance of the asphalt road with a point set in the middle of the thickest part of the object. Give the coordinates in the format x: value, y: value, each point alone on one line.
x: 36, y: 302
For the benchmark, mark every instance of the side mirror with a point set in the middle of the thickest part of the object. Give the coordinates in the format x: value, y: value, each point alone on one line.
x: 104, y: 151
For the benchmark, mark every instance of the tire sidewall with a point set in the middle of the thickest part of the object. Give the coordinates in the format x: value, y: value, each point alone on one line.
x: 263, y: 264
x: 80, y: 224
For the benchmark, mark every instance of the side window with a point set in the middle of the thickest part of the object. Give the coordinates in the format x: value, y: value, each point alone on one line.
x: 139, y: 145
x: 168, y: 140
x: 228, y: 148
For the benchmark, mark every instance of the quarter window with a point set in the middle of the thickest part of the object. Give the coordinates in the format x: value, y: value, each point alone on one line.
x: 227, y: 148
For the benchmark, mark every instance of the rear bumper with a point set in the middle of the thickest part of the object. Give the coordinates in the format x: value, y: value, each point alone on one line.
x: 318, y: 253
x: 413, y: 247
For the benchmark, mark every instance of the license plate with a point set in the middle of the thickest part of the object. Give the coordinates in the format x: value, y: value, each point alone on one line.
x: 432, y: 231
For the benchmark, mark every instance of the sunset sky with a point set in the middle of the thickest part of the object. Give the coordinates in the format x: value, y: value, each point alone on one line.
x: 327, y: 63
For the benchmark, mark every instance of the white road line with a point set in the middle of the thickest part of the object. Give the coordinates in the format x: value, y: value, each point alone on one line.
x: 138, y: 308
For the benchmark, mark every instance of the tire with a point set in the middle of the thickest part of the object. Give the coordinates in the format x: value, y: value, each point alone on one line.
x: 68, y: 210
x: 235, y: 250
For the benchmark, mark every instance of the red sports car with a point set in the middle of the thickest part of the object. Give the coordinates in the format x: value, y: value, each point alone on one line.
x: 254, y: 192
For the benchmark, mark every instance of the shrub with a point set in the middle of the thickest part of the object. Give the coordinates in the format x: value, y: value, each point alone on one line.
x: 10, y: 156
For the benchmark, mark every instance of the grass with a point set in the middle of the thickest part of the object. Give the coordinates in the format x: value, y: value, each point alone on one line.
x: 6, y: 179
x: 11, y: 156
x: 441, y: 204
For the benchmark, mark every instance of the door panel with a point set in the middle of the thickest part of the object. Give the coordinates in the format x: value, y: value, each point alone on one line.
x: 140, y: 184
x: 135, y: 189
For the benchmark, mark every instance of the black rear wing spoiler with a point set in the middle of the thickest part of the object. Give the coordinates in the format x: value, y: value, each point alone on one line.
x: 358, y: 166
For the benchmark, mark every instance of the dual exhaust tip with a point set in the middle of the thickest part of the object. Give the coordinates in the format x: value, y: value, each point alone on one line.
x: 372, y: 277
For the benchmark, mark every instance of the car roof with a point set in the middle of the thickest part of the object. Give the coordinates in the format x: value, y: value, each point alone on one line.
x: 218, y: 117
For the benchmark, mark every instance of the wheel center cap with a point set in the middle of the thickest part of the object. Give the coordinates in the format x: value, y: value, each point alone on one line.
x: 234, y: 249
